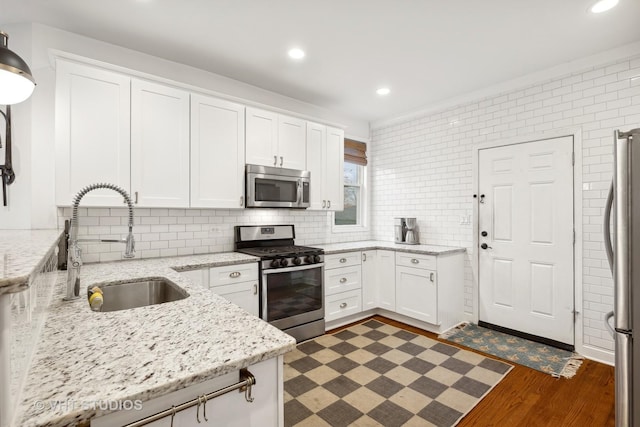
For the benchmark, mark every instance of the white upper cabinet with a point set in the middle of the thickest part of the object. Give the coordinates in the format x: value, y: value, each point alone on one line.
x: 325, y: 160
x: 92, y: 133
x: 275, y: 140
x: 217, y: 153
x: 291, y: 143
x: 159, y: 145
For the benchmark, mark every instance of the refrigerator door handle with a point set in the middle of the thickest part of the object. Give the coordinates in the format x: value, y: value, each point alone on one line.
x: 607, y: 325
x: 622, y: 223
x: 607, y: 227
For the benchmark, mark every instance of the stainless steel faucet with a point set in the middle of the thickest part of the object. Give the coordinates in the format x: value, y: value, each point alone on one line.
x: 74, y: 257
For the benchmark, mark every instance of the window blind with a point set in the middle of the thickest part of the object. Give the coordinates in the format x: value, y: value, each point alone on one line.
x: 355, y: 152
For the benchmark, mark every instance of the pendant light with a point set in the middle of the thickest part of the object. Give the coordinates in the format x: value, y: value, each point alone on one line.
x: 16, y: 81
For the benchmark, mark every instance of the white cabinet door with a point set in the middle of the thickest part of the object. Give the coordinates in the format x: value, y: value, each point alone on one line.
x: 261, y: 137
x: 199, y: 277
x: 292, y: 135
x: 370, y: 288
x: 244, y: 295
x: 92, y: 133
x: 217, y: 153
x: 334, y: 169
x: 159, y: 145
x: 416, y: 294
x: 316, y: 153
x: 386, y: 279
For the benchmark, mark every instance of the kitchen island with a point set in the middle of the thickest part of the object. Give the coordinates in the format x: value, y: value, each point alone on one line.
x: 85, y: 357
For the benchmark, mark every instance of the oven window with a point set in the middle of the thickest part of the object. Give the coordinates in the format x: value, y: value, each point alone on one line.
x: 293, y: 293
x: 273, y: 190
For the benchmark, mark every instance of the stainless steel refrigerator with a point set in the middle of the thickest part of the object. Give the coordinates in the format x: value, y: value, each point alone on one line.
x: 623, y: 252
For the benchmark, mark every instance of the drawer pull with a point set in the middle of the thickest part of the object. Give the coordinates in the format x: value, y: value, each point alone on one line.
x: 343, y: 280
x: 343, y: 260
x: 255, y: 289
x: 415, y: 261
x: 432, y: 277
x: 234, y: 275
x: 343, y: 305
x: 364, y: 257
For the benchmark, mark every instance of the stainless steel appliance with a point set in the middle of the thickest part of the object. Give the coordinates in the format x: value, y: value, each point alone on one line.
x: 291, y: 279
x: 624, y: 203
x: 268, y: 187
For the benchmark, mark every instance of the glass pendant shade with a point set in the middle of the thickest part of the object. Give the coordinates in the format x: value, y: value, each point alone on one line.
x: 16, y: 81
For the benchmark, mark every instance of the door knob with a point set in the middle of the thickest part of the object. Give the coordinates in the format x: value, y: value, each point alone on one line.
x: 485, y: 246
x: 484, y: 234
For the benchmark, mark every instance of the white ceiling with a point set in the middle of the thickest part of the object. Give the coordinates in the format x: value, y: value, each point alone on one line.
x: 426, y: 51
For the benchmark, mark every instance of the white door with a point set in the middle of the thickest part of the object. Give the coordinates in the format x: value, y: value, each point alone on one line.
x: 292, y: 134
x: 261, y: 137
x: 159, y: 145
x: 92, y: 133
x: 217, y: 153
x: 526, y: 210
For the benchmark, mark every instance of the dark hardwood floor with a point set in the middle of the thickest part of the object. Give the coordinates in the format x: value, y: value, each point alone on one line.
x: 527, y: 397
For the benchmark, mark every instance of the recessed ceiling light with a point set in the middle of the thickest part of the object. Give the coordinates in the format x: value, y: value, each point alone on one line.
x: 603, y: 5
x: 296, y: 53
x: 383, y: 91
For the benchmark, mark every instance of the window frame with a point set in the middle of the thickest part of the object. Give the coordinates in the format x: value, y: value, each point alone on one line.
x: 362, y: 224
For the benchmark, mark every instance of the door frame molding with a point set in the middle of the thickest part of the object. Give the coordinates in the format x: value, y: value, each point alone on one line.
x: 576, y: 133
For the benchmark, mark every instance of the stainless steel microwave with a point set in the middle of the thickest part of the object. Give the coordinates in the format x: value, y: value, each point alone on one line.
x: 269, y: 187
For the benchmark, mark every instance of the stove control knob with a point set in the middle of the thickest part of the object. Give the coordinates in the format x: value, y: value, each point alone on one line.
x: 275, y: 263
x: 284, y: 262
x: 316, y: 258
x: 297, y: 261
x: 309, y: 259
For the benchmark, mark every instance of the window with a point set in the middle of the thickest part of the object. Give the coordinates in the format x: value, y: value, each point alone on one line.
x: 352, y: 213
x: 355, y: 162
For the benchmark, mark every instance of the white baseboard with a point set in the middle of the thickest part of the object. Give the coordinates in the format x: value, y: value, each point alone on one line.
x: 597, y: 354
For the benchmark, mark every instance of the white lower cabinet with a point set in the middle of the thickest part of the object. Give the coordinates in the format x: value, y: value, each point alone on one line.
x: 238, y: 283
x: 229, y: 410
x: 417, y: 294
x: 343, y: 283
x: 410, y: 287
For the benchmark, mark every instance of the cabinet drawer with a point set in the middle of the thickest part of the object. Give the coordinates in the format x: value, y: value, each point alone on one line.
x: 342, y: 279
x: 233, y: 274
x: 342, y: 260
x: 343, y: 304
x: 426, y: 262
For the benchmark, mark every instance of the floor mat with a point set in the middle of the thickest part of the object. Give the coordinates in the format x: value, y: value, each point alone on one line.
x: 541, y: 357
x: 374, y: 374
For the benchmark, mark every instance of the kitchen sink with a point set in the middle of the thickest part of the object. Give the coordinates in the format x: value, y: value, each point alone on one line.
x: 139, y: 293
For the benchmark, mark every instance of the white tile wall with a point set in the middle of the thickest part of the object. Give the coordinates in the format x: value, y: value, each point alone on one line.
x: 423, y: 167
x: 174, y: 232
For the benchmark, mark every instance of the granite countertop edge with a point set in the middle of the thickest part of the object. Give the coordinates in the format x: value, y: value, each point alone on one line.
x: 365, y: 245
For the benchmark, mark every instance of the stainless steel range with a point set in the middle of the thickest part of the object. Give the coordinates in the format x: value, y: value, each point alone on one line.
x: 291, y: 279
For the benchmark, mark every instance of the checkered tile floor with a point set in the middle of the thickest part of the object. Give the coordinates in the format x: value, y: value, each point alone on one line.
x: 374, y: 374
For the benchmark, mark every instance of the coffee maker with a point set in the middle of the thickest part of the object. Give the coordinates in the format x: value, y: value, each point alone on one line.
x: 405, y: 230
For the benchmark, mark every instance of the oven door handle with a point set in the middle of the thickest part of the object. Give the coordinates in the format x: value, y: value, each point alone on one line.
x: 296, y: 268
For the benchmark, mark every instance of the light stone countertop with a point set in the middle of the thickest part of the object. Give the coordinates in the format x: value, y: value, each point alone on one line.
x: 365, y: 245
x: 141, y: 353
x: 21, y: 253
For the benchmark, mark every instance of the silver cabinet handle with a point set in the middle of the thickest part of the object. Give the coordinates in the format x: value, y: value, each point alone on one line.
x: 328, y: 204
x: 364, y: 257
x: 275, y: 160
x: 136, y: 195
x: 415, y: 261
x: 343, y: 260
x: 343, y: 305
x: 255, y: 289
x: 241, y: 200
x: 281, y: 160
x: 324, y: 204
x: 234, y: 275
x: 343, y: 280
x: 432, y: 277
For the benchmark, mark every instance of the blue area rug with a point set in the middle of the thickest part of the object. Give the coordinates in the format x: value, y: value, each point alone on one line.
x: 541, y: 357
